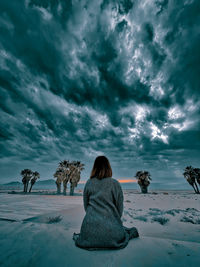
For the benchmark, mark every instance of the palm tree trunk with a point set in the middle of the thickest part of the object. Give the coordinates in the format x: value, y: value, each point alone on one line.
x: 58, y: 184
x: 30, y: 188
x: 71, y: 190
x: 197, y: 189
x: 64, y: 188
x: 194, y: 189
x: 144, y: 189
x: 24, y: 188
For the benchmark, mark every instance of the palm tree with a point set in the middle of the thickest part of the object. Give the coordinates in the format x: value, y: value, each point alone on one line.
x: 35, y: 176
x: 192, y: 176
x: 59, y: 174
x: 65, y: 166
x: 144, y: 178
x: 72, y: 178
x: 75, y: 175
x: 68, y: 172
x: 26, y: 176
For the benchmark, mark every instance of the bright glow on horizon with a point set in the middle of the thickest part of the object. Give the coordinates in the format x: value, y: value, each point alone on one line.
x: 127, y: 181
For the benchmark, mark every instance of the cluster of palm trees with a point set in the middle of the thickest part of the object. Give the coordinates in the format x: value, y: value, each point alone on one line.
x: 143, y: 178
x: 192, y: 175
x: 68, y: 172
x: 29, y: 176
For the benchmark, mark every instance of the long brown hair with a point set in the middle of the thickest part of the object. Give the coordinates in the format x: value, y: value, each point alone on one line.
x: 101, y: 168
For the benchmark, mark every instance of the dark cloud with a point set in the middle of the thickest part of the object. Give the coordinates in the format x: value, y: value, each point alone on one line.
x: 83, y: 78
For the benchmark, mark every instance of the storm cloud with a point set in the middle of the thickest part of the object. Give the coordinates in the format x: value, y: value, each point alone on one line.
x: 84, y: 78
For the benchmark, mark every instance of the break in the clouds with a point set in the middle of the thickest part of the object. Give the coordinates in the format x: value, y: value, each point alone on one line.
x: 84, y: 78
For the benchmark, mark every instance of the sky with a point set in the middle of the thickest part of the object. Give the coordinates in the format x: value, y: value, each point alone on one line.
x: 80, y: 79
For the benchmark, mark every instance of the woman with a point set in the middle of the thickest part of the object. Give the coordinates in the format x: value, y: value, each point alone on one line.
x: 102, y: 227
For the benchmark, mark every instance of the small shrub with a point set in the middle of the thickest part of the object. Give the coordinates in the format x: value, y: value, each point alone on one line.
x: 190, y: 220
x: 161, y: 220
x: 141, y: 218
x: 171, y: 212
x: 191, y: 209
x: 54, y: 219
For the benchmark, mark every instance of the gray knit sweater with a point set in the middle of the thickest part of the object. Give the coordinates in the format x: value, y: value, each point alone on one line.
x: 102, y: 226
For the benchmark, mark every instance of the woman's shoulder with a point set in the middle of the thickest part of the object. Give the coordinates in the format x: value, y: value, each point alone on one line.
x: 115, y: 182
x: 90, y: 181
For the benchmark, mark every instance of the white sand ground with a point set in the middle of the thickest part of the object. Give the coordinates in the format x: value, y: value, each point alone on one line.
x: 168, y: 224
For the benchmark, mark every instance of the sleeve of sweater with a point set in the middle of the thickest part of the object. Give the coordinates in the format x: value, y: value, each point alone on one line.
x: 85, y: 196
x: 119, y: 199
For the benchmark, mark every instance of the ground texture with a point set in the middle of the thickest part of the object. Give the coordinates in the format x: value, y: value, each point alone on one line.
x: 37, y: 229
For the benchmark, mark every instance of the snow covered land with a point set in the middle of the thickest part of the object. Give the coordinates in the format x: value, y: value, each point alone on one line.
x: 36, y: 230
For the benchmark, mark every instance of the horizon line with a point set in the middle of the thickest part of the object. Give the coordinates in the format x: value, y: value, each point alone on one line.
x: 122, y: 181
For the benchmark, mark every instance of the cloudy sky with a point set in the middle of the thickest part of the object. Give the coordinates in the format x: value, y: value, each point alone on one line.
x: 85, y: 78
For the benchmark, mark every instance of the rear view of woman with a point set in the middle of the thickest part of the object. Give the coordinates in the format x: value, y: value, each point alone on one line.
x: 102, y: 227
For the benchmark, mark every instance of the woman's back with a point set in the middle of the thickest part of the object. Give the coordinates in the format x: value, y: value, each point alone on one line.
x: 102, y: 226
x: 105, y: 195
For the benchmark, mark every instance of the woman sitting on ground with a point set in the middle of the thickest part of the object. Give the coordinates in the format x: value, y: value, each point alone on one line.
x: 102, y: 227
